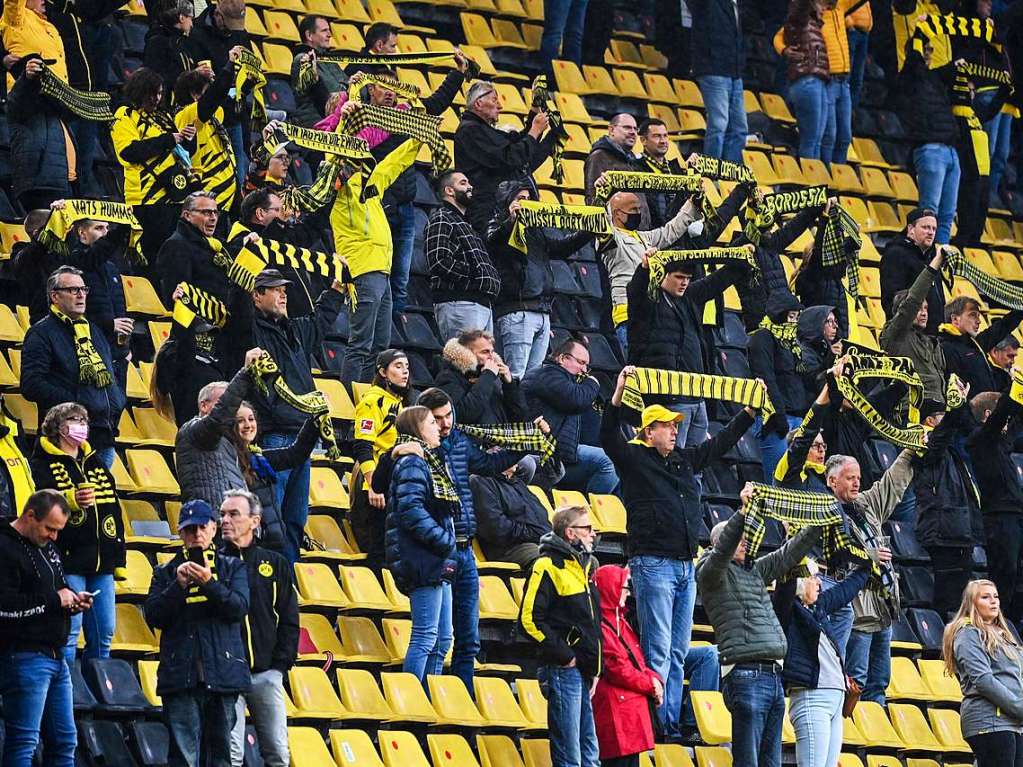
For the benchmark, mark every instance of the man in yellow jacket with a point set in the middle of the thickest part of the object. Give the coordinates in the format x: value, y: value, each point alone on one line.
x: 362, y: 237
x: 25, y: 30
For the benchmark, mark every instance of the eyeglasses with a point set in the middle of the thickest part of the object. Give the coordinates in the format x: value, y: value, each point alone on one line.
x: 587, y: 528
x: 585, y: 365
x: 78, y: 290
x: 206, y: 212
x: 819, y: 445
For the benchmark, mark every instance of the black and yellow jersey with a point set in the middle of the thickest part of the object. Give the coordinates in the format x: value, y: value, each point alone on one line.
x: 213, y: 160
x: 374, y: 426
x: 144, y: 144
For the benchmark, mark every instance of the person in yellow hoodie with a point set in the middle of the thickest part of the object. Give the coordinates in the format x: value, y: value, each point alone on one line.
x: 362, y: 237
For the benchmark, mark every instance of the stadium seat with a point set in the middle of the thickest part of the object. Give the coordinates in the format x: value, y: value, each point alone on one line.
x: 495, y: 701
x: 906, y: 682
x: 24, y: 412
x: 496, y: 601
x: 946, y: 728
x: 942, y: 686
x: 83, y: 699
x: 450, y: 751
x: 103, y: 742
x: 713, y: 756
x: 152, y: 742
x: 362, y: 641
x: 131, y: 634
x: 872, y: 721
x: 150, y: 473
x: 928, y: 626
x: 322, y: 635
x: 610, y: 513
x: 536, y: 752
x: 452, y: 702
x: 361, y: 696
x: 399, y: 601
x: 325, y: 532
x: 113, y: 682
x: 341, y: 405
x: 497, y: 751
x: 911, y: 726
x: 154, y: 428
x: 326, y: 490
x: 313, y: 695
x: 849, y: 760
x: 363, y: 590
x: 139, y: 575
x: 353, y: 747
x: 141, y: 299
x: 671, y: 755
x: 879, y: 760
x: 406, y: 698
x: 318, y: 587
x: 402, y: 749
x: 147, y: 681
x: 712, y: 717
x: 307, y: 748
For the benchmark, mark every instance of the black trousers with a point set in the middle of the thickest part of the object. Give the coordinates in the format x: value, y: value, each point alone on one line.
x: 951, y: 567
x: 974, y: 185
x: 367, y: 524
x: 632, y: 760
x: 1004, y: 545
x: 997, y: 749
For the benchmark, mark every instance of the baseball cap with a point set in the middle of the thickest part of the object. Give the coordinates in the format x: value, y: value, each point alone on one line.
x: 917, y: 213
x: 270, y: 278
x: 659, y: 414
x: 196, y: 512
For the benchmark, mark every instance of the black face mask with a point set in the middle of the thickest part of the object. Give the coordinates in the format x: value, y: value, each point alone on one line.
x: 632, y: 221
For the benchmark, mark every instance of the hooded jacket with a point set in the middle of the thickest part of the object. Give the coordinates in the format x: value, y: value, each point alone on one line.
x: 777, y: 365
x: 92, y: 541
x: 31, y: 616
x: 901, y: 263
x: 507, y: 514
x: 902, y: 338
x: 561, y: 608
x: 562, y: 399
x: 816, y: 356
x: 477, y: 395
x: 967, y: 356
x: 819, y: 285
x: 606, y: 155
x: 460, y: 267
x: 621, y: 703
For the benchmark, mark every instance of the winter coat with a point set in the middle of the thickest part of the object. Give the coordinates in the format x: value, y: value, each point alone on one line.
x: 803, y: 48
x: 214, y: 43
x: 901, y: 263
x: 170, y: 53
x: 92, y: 541
x: 777, y: 365
x: 662, y: 494
x: 507, y: 514
x: 80, y: 23
x: 735, y: 596
x: 39, y: 156
x: 562, y: 399
x: 460, y: 267
x: 605, y: 155
x: 488, y: 155
x: 819, y: 285
x: 992, y: 685
x: 31, y: 616
x: 967, y: 356
x: 717, y: 36
x: 925, y: 103
x: 201, y: 639
x: 561, y: 609
x: 310, y: 103
x: 792, y: 470
x: 420, y: 530
x: 186, y: 256
x: 25, y: 32
x: 477, y: 395
x: 816, y: 356
x: 32, y: 264
x: 990, y: 455
x: 901, y: 338
x: 464, y: 458
x: 621, y: 703
x: 49, y: 376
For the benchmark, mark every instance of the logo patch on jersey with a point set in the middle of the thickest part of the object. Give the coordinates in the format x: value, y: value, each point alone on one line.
x: 76, y: 517
x: 366, y: 426
x: 109, y: 527
x: 266, y: 570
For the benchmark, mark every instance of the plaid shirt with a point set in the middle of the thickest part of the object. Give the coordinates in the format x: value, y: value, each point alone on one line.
x: 460, y: 267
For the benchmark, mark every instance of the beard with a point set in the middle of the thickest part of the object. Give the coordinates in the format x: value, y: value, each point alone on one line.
x: 463, y: 198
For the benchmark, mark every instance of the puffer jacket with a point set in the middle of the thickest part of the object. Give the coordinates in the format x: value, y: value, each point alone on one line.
x: 925, y: 103
x: 420, y: 530
x: 992, y: 685
x: 836, y: 39
x: 901, y: 338
x: 561, y: 609
x: 735, y: 596
x: 38, y: 140
x: 201, y: 639
x: 803, y: 48
x: 477, y: 395
x: 25, y: 32
x: 717, y: 36
x: 92, y: 541
x: 816, y: 356
x: 562, y: 399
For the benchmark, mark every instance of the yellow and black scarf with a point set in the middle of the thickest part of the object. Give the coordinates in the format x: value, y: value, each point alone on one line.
x: 634, y: 181
x: 785, y: 334
x: 54, y: 234
x: 840, y: 244
x: 195, y: 302
x: 92, y: 371
x: 403, y: 122
x: 744, y: 391
x: 523, y: 437
x: 721, y: 170
x: 661, y: 260
x: 352, y: 147
x: 248, y: 69
x: 860, y: 368
x: 89, y: 105
x: 443, y: 485
x: 360, y: 80
x: 763, y: 210
x: 578, y: 218
x: 998, y: 290
x: 194, y: 594
x: 542, y: 102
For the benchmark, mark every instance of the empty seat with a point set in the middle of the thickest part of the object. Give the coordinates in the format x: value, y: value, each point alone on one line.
x: 131, y: 633
x: 318, y: 586
x: 928, y: 626
x: 362, y: 641
x: 307, y: 748
x: 363, y: 589
x: 361, y: 696
x: 450, y: 750
x: 496, y: 702
x: 353, y: 747
x: 872, y: 721
x: 498, y: 751
x: 147, y: 679
x: 322, y: 636
x: 113, y: 682
x: 496, y: 602
x: 946, y: 727
x: 401, y: 749
x: 452, y: 702
x: 712, y: 718
x: 152, y: 742
x: 943, y: 686
x: 104, y: 743
x: 325, y: 532
x: 406, y: 698
x: 909, y: 722
x: 151, y: 473
x: 906, y: 682
x: 313, y: 694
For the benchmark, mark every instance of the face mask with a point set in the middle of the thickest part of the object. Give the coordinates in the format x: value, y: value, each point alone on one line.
x: 77, y: 433
x: 695, y: 229
x: 632, y: 221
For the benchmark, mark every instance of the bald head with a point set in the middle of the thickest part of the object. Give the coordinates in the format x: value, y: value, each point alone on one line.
x: 622, y: 131
x: 623, y: 205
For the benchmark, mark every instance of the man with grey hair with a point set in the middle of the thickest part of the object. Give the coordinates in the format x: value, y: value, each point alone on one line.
x: 488, y: 155
x: 66, y: 358
x: 270, y: 632
x: 750, y: 640
x: 868, y: 652
x: 1002, y: 357
x: 188, y: 254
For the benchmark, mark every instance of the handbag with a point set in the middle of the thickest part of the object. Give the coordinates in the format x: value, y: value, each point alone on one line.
x: 852, y: 696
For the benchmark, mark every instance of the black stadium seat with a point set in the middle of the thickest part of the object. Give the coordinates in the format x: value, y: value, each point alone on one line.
x: 279, y: 95
x: 902, y: 630
x: 114, y: 684
x: 732, y: 333
x: 905, y: 545
x: 588, y: 276
x: 928, y: 626
x: 151, y: 742
x: 565, y: 279
x: 418, y: 333
x: 103, y: 744
x: 84, y: 700
x: 916, y: 585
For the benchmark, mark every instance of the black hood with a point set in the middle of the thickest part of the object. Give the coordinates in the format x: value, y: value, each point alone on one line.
x: 810, y: 328
x: 780, y: 303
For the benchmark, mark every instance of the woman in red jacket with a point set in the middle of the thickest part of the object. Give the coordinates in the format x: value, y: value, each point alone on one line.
x: 621, y: 703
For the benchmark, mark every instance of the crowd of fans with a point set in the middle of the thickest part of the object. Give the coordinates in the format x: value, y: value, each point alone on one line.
x: 260, y: 270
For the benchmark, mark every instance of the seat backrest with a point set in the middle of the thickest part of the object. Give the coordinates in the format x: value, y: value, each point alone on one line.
x: 495, y: 701
x: 536, y: 752
x: 353, y: 747
x: 451, y: 700
x: 498, y: 751
x: 360, y: 637
x: 406, y: 698
x: 307, y: 747
x: 362, y: 587
x: 360, y: 694
x: 312, y: 691
x: 317, y: 584
x: 152, y: 741
x: 450, y: 749
x: 402, y: 749
x: 909, y: 722
x: 531, y: 700
x: 321, y: 633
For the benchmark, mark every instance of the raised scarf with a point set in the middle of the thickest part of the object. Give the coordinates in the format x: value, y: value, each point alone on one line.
x: 543, y: 102
x: 352, y: 147
x: 195, y: 302
x: 578, y: 218
x: 92, y: 371
x: 840, y: 244
x: 89, y: 105
x: 54, y: 234
x: 998, y: 290
x: 785, y: 334
x: 613, y: 181
x: 721, y: 170
x: 744, y: 391
x: 403, y: 122
x: 860, y: 368
x: 762, y: 210
x: 662, y: 259
x: 248, y: 69
x: 525, y: 437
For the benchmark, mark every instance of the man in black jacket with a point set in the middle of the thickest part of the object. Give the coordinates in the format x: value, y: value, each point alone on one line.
x: 489, y: 155
x: 653, y: 134
x: 270, y: 631
x: 291, y: 343
x: 189, y: 255
x: 905, y: 257
x: 510, y: 520
x: 480, y: 385
x: 1002, y: 357
x: 966, y: 349
x: 35, y: 610
x: 718, y: 63
x: 66, y: 358
x: 662, y: 494
x: 614, y: 152
x: 199, y: 600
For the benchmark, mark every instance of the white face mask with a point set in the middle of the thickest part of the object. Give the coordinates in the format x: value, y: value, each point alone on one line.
x: 695, y: 229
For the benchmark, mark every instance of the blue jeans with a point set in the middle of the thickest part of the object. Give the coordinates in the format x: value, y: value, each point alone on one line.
x: 569, y: 717
x: 431, y: 631
x: 199, y: 724
x: 237, y: 136
x: 726, y: 117
x: 868, y: 660
x: 465, y: 598
x: 857, y: 63
x: 756, y: 701
x: 593, y: 472
x: 98, y: 621
x: 292, y: 489
x: 453, y: 317
x: 808, y: 98
x: 37, y: 696
x: 622, y: 334
x: 524, y: 339
x: 403, y: 233
x: 841, y: 620
x: 692, y: 430
x: 817, y: 719
x: 937, y: 178
x: 772, y: 445
x: 369, y: 329
x: 838, y: 128
x: 703, y: 669
x: 562, y: 31
x: 999, y: 139
x: 106, y: 456
x: 665, y: 591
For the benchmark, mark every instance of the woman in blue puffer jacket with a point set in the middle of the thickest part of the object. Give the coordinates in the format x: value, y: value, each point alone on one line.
x: 420, y: 539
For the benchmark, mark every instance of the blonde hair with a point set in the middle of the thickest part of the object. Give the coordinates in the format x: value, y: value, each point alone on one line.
x: 996, y: 635
x: 803, y: 263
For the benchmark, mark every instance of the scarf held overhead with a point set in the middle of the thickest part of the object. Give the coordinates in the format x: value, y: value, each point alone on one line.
x: 403, y: 122
x: 351, y: 147
x: 663, y: 259
x: 89, y: 105
x: 578, y: 218
x: 998, y: 290
x: 542, y: 102
x: 612, y: 181
x: 900, y: 369
x: 54, y: 234
x: 92, y: 371
x: 195, y: 302
x: 744, y: 391
x: 721, y: 170
x: 523, y: 437
x: 249, y: 71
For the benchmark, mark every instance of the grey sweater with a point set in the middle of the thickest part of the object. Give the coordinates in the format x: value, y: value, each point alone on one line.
x: 992, y: 685
x: 736, y: 599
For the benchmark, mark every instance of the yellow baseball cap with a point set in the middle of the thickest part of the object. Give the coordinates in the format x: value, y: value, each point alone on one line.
x: 658, y: 414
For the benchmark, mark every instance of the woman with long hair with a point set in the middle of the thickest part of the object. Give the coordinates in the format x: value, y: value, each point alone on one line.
x: 801, y: 43
x: 984, y: 653
x: 420, y: 539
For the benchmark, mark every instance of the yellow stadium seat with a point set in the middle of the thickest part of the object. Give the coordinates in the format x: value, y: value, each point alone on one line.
x: 671, y: 755
x: 667, y: 115
x: 851, y: 734
x: 406, y: 698
x: 10, y: 235
x: 875, y: 183
x: 147, y: 680
x: 450, y: 751
x: 691, y: 124
x: 712, y: 718
x: 946, y: 728
x: 629, y: 84
x: 572, y: 108
x: 122, y: 479
x: 317, y: 586
x: 137, y: 388
x: 452, y: 702
x: 313, y: 694
x: 856, y: 208
x: 909, y: 722
x: 347, y: 37
x: 870, y: 281
x: 872, y: 721
x: 624, y: 52
x: 280, y: 26
x: 361, y: 696
x: 307, y: 748
x: 878, y: 760
x: 401, y: 749
x: 254, y: 23
x: 139, y: 572
x: 497, y: 751
x: 11, y: 330
x: 154, y: 428
x: 910, y: 762
x: 869, y: 153
x: 476, y: 53
x: 362, y: 641
x: 477, y: 31
x: 531, y: 701
x: 140, y: 296
x: 652, y: 57
x: 518, y: 588
x: 325, y: 8
x: 541, y: 496
x: 353, y: 747
x: 533, y: 9
x: 396, y: 633
x: 750, y: 102
x: 844, y: 179
x: 659, y: 88
x: 512, y: 8
x: 399, y: 601
x: 981, y: 259
x: 127, y: 432
x: 484, y: 565
x: 9, y: 379
x: 598, y: 80
x: 610, y: 513
x: 322, y: 634
x: 569, y: 78
x: 787, y: 169
x: 815, y: 172
x: 151, y: 473
x: 943, y: 686
x: 486, y: 6
x: 713, y: 756
x: 906, y: 682
x: 904, y: 186
x: 131, y: 632
x: 776, y: 108
x: 566, y: 498
x: 324, y: 531
x: 883, y: 217
x: 507, y: 34
x: 353, y: 10
x: 326, y: 490
x: 688, y: 93
x: 496, y: 702
x: 278, y: 59
x: 363, y: 589
x: 511, y: 99
x: 761, y: 167
x: 158, y: 332
x: 849, y: 760
x: 496, y: 601
x: 1008, y: 265
x: 536, y: 752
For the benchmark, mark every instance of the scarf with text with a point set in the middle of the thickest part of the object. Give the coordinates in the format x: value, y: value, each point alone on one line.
x: 542, y: 102
x: 663, y: 259
x: 763, y: 210
x: 54, y: 234
x: 89, y: 105
x: 525, y: 437
x: 360, y: 80
x: 92, y: 371
x: 195, y: 302
x: 785, y: 334
x: 744, y: 391
x: 861, y: 368
x: 721, y: 170
x: 194, y: 594
x: 612, y: 181
x: 249, y: 70
x: 403, y: 122
x: 578, y: 218
x: 998, y: 290
x: 352, y: 147
x: 443, y: 486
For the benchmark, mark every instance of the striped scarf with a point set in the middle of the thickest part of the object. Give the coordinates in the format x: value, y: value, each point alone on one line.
x: 931, y: 27
x: 578, y: 218
x: 248, y: 69
x: 660, y: 261
x: 352, y: 147
x: 360, y: 80
x: 89, y: 105
x: 785, y: 334
x: 996, y: 289
x: 58, y: 225
x: 194, y: 595
x: 195, y: 302
x: 542, y: 101
x: 797, y: 508
x: 840, y: 244
x: 1016, y: 388
x: 403, y: 122
x: 612, y: 181
x: 92, y: 371
x: 763, y: 210
x: 523, y: 437
x: 744, y: 391
x: 721, y: 170
x: 861, y: 368
x: 443, y: 485
x: 310, y: 199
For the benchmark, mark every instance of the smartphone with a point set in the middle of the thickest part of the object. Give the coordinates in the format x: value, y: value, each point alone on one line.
x: 195, y: 554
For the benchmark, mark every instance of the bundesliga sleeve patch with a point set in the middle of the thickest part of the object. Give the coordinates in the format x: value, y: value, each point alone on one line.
x: 366, y: 426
